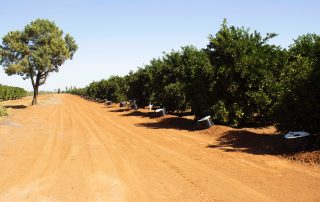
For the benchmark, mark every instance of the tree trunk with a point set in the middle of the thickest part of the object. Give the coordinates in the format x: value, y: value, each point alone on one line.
x: 35, y: 85
x: 35, y: 95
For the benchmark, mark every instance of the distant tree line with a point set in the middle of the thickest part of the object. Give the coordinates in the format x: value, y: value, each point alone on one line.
x: 11, y: 93
x: 239, y: 78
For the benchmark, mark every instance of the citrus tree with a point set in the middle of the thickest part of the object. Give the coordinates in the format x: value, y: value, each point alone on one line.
x: 11, y: 92
x: 247, y: 74
x: 299, y: 108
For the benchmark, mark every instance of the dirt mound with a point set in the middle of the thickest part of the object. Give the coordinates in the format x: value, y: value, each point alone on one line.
x: 257, y: 141
x: 310, y: 157
x: 262, y: 140
x: 216, y: 131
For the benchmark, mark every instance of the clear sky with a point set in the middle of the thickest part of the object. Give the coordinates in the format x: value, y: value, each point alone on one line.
x: 117, y: 36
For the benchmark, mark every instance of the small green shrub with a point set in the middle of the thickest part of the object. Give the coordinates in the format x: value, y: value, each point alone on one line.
x: 3, y: 111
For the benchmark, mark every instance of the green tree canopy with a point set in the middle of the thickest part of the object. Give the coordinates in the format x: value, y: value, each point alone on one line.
x: 247, y: 74
x: 299, y: 108
x: 139, y: 86
x: 34, y: 52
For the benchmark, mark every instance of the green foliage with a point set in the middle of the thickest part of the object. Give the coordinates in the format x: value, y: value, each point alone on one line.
x: 166, y: 81
x: 239, y: 78
x: 299, y: 108
x: 34, y: 52
x: 139, y: 86
x: 174, y: 97
x: 247, y: 74
x: 179, y: 80
x: 3, y: 111
x: 220, y: 112
x: 11, y: 93
x: 113, y: 89
x: 164, y: 71
x: 198, y: 79
x: 77, y: 91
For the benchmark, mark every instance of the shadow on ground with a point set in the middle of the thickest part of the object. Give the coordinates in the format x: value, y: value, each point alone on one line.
x: 171, y: 123
x: 253, y: 143
x: 140, y: 114
x: 108, y: 106
x: 181, y: 114
x: 15, y: 106
x: 163, y: 123
x: 118, y: 110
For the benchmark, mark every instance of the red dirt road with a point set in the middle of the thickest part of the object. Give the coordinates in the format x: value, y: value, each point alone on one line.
x: 70, y: 149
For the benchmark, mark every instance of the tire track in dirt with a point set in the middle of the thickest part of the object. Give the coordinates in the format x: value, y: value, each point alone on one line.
x: 178, y: 158
x: 243, y: 162
x: 99, y: 130
x: 110, y: 145
x: 28, y: 165
x: 22, y: 173
x: 100, y: 165
x: 70, y: 149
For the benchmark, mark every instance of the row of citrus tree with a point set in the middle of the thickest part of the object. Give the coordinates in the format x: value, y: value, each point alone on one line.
x: 11, y: 92
x: 239, y: 78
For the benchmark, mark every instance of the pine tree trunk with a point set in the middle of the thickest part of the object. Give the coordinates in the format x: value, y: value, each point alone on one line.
x: 35, y: 95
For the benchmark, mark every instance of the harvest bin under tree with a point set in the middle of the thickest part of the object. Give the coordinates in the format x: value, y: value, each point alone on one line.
x: 160, y: 112
x: 134, y: 106
x: 204, y: 123
x: 123, y: 104
x: 108, y: 102
x: 295, y: 141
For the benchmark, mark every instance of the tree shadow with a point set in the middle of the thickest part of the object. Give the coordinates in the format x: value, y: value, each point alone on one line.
x: 140, y: 114
x: 254, y: 124
x: 118, y: 110
x: 15, y: 106
x: 107, y: 106
x: 181, y: 114
x: 253, y: 143
x: 171, y: 123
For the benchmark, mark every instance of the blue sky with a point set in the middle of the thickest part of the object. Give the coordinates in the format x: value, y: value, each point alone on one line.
x: 115, y: 37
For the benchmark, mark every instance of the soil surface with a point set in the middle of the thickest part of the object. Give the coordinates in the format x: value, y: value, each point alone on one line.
x: 71, y: 149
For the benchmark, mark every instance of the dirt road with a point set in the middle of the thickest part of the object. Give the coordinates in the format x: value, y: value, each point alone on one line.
x: 70, y: 149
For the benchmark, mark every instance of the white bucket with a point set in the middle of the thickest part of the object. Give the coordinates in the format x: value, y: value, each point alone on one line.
x: 297, y: 134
